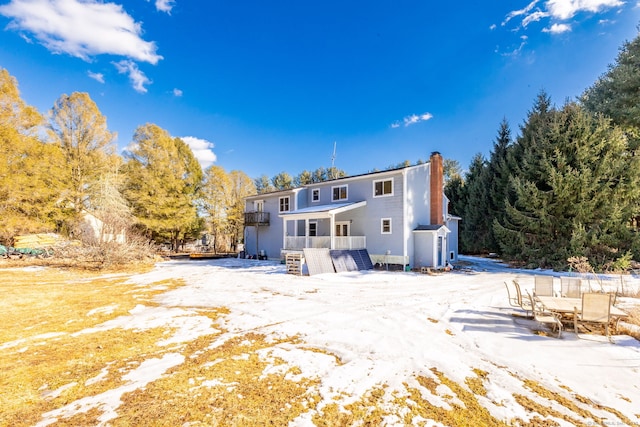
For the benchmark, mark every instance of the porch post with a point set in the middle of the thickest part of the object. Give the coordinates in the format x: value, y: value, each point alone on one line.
x: 284, y: 233
x: 332, y: 233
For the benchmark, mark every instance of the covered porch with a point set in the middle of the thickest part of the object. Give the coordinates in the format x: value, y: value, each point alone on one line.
x: 323, y: 226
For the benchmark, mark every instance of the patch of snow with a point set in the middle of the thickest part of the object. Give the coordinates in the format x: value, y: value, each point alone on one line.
x: 109, y: 401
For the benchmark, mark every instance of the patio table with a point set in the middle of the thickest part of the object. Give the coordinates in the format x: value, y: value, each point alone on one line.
x: 565, y: 307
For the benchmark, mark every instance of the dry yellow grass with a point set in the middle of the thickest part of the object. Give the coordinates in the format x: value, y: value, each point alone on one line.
x: 52, y: 356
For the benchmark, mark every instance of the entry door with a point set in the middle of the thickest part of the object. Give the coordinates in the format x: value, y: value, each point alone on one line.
x: 343, y: 229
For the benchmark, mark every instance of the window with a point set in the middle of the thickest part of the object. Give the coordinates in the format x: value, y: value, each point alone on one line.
x: 339, y: 193
x: 385, y: 226
x: 259, y: 205
x: 313, y: 229
x: 284, y: 204
x: 383, y: 188
x: 315, y: 195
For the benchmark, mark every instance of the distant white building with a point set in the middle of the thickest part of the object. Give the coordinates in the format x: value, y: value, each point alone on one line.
x: 94, y: 228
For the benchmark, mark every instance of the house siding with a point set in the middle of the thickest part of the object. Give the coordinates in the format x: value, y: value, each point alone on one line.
x: 269, y: 239
x: 417, y: 205
x: 407, y: 208
x: 385, y: 207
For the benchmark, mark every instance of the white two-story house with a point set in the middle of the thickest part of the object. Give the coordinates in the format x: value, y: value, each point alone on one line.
x: 400, y: 217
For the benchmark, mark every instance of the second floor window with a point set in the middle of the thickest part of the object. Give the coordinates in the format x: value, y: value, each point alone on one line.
x: 315, y: 195
x: 339, y: 193
x: 284, y: 204
x: 383, y: 188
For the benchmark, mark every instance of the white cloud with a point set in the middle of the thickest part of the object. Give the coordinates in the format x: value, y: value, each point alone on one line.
x: 165, y: 5
x: 557, y: 29
x: 520, y: 12
x: 517, y: 51
x: 202, y: 150
x: 99, y: 77
x: 138, y: 78
x: 534, y: 17
x: 559, y: 10
x: 81, y: 28
x: 413, y: 119
x: 177, y: 92
x: 567, y: 9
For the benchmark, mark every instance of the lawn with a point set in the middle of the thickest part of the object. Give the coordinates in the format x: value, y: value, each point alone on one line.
x: 205, y: 343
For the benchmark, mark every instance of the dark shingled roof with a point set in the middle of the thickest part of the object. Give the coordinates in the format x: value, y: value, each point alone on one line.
x: 433, y: 227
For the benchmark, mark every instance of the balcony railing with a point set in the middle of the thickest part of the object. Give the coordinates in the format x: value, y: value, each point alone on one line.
x: 301, y: 242
x: 256, y: 218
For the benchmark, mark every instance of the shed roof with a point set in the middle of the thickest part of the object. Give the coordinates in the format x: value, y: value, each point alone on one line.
x: 432, y: 228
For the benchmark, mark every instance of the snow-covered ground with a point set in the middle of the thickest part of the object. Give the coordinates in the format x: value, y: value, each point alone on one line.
x: 388, y: 327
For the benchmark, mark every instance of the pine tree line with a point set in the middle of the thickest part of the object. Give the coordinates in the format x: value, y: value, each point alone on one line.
x: 568, y: 185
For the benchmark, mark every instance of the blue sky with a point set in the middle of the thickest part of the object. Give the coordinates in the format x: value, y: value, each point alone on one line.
x: 265, y: 87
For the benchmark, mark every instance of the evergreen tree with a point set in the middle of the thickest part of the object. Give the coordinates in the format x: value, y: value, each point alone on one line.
x: 521, y: 157
x: 282, y: 181
x: 453, y: 186
x: 216, y: 200
x: 498, y: 176
x: 163, y: 185
x: 263, y: 185
x: 454, y: 189
x: 242, y: 186
x: 335, y: 173
x: 80, y: 129
x: 475, y: 227
x: 30, y: 170
x: 305, y: 177
x: 574, y: 194
x: 616, y: 94
x: 320, y: 175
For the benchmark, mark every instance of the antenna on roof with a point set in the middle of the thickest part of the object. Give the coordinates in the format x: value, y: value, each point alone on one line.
x: 333, y: 158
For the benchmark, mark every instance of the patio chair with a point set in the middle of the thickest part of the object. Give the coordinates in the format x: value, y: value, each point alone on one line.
x: 570, y: 287
x: 596, y: 310
x: 546, y: 317
x: 543, y: 286
x: 512, y: 295
x: 523, y: 303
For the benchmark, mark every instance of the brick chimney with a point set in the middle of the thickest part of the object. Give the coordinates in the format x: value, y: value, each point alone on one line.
x: 436, y: 188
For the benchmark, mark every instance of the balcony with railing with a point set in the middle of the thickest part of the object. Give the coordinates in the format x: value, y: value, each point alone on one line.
x: 294, y: 243
x: 256, y: 218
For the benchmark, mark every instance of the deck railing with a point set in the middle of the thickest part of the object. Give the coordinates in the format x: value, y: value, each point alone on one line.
x: 256, y: 218
x: 348, y: 242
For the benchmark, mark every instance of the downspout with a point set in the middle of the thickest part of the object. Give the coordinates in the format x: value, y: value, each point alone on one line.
x: 257, y: 237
